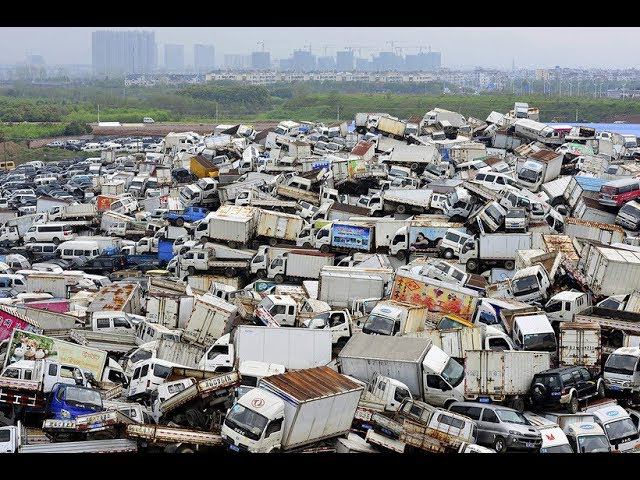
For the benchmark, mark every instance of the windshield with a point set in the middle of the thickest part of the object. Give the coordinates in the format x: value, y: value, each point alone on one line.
x: 266, y: 303
x: 453, y: 373
x: 379, y: 325
x: 620, y: 429
x: 543, y: 342
x: 622, y: 364
x: 246, y: 422
x: 161, y: 371
x: 566, y: 448
x: 593, y: 444
x: 511, y: 416
x: 83, y: 397
x: 494, y: 214
x: 529, y: 175
x: 630, y: 210
x: 525, y: 285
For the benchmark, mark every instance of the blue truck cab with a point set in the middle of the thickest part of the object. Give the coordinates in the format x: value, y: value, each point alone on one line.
x: 66, y: 401
x: 188, y: 215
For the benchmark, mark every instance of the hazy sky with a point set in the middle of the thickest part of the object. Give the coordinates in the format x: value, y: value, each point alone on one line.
x: 460, y: 47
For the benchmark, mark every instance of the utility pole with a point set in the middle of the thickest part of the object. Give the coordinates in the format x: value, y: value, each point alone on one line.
x: 98, y: 113
x: 338, y: 113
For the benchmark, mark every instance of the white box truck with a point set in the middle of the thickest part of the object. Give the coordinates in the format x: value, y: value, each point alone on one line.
x: 427, y: 371
x: 502, y: 376
x: 402, y: 200
x: 494, y: 250
x: 230, y: 223
x: 340, y: 289
x: 274, y: 226
x: 609, y: 271
x: 212, y: 318
x: 580, y: 344
x: 298, y: 264
x: 292, y: 410
x: 295, y: 348
x: 601, y: 232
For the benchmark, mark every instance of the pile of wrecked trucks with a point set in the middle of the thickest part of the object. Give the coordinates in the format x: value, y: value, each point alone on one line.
x: 438, y: 284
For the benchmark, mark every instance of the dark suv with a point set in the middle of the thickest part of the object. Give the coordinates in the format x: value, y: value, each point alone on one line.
x: 104, y: 265
x: 565, y: 386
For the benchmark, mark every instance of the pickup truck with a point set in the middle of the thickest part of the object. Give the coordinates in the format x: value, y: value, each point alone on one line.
x: 188, y: 215
x: 93, y: 426
x: 170, y: 440
x: 17, y: 441
x: 196, y: 405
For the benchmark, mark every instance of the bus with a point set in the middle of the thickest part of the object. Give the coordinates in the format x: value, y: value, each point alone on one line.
x: 618, y: 192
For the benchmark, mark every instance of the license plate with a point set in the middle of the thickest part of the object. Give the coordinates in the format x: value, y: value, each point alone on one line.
x: 234, y: 448
x: 484, y: 400
x: 615, y: 387
x: 529, y: 445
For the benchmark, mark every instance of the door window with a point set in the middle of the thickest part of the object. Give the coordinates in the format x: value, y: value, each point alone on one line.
x: 489, y: 416
x: 273, y: 427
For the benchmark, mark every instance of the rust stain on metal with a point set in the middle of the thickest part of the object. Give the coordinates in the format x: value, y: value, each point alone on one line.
x: 312, y: 383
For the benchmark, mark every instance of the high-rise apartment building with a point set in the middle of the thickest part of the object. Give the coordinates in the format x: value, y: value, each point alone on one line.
x: 122, y: 52
x: 204, y: 58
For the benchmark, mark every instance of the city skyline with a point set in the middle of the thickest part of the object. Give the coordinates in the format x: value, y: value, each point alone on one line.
x: 469, y: 47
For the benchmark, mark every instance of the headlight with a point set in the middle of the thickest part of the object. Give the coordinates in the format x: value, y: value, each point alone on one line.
x: 513, y: 432
x: 65, y: 413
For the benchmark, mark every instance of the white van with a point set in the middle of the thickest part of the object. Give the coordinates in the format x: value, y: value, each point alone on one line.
x: 496, y: 181
x: 149, y: 332
x: 147, y: 375
x: 45, y: 181
x: 49, y: 232
x: 111, y: 321
x: 41, y: 248
x: 554, y: 440
x: 78, y: 248
x: 124, y: 205
x: 13, y: 282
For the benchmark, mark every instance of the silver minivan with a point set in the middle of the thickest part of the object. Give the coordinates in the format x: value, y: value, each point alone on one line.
x: 499, y: 427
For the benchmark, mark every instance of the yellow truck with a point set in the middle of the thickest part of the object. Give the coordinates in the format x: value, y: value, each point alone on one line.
x: 202, y: 167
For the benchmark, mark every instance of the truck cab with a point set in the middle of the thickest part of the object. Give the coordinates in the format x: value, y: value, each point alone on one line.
x: 452, y: 243
x: 530, y: 284
x: 442, y: 378
x: 587, y: 437
x: 533, y: 332
x: 338, y: 321
x: 112, y: 321
x: 389, y: 393
x: 150, y: 332
x: 279, y: 309
x: 564, y: 306
x: 219, y: 357
x: 252, y: 371
x: 622, y: 372
x: 393, y: 318
x: 254, y: 422
x: 66, y: 401
x: 618, y: 426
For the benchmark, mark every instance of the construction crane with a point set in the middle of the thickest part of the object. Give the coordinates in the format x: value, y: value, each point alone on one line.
x: 359, y: 48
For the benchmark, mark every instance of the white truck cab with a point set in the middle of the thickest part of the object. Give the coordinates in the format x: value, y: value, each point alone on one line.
x: 114, y: 321
x: 554, y: 440
x: 338, y: 321
x: 281, y: 309
x: 219, y: 357
x: 563, y: 306
x: 622, y: 371
x: 252, y: 371
x: 618, y: 426
x: 452, y: 243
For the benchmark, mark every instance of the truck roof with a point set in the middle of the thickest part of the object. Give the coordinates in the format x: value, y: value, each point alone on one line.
x: 567, y: 296
x: 380, y: 347
x: 311, y: 383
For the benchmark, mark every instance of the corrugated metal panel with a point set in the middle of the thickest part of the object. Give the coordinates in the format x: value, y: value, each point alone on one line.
x: 385, y: 348
x: 312, y: 383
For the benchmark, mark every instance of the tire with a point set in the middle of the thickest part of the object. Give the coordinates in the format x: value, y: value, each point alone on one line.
x: 448, y: 254
x: 185, y: 449
x: 306, y: 245
x: 500, y: 445
x: 401, y: 254
x: 230, y: 272
x: 572, y: 406
x: 261, y: 274
x: 279, y: 278
x: 191, y: 270
x: 273, y: 241
x: 538, y: 392
x: 195, y: 418
x: 401, y: 209
x: 180, y: 221
x: 56, y: 240
x: 414, y: 167
x: 601, y: 390
x: 233, y: 245
x: 472, y: 265
x: 324, y: 248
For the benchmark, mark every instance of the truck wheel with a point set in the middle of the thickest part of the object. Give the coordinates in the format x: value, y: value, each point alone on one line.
x: 414, y: 167
x: 324, y: 248
x: 179, y: 221
x: 401, y: 254
x: 499, y: 445
x: 191, y: 270
x: 601, y: 391
x: 233, y: 244
x: 401, y: 208
x: 56, y: 240
x: 261, y: 274
x: 273, y: 241
x: 278, y: 278
x: 509, y: 265
x: 448, y: 254
x: 472, y: 265
x: 32, y: 239
x: 572, y: 407
x: 307, y: 245
x: 195, y: 418
x: 230, y: 272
